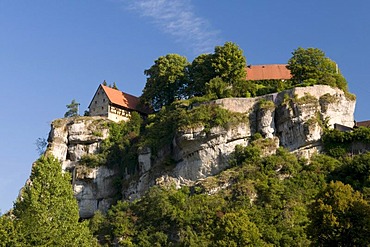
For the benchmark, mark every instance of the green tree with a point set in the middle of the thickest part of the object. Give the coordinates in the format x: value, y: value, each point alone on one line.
x: 8, y: 235
x: 46, y: 214
x: 200, y: 73
x: 166, y: 80
x: 229, y: 63
x: 72, y: 109
x: 310, y: 66
x: 340, y: 217
x: 235, y: 229
x: 114, y: 86
x: 217, y: 88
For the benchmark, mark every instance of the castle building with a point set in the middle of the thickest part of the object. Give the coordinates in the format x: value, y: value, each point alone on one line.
x: 118, y: 106
x: 115, y: 105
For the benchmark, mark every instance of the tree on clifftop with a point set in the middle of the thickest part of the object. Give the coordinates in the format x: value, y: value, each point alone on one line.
x: 166, y: 80
x: 200, y: 73
x: 46, y: 214
x: 72, y: 109
x: 310, y: 66
x: 229, y: 63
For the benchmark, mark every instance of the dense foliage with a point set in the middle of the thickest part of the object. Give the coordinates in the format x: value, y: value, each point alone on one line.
x: 172, y: 77
x: 340, y: 143
x: 119, y: 150
x: 275, y: 200
x: 340, y: 217
x: 166, y: 81
x: 310, y: 66
x: 46, y: 214
x: 223, y: 74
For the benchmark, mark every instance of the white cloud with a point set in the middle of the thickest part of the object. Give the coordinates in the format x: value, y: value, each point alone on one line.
x: 177, y: 18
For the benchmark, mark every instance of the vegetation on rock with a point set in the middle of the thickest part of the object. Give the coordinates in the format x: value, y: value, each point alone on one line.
x: 267, y: 198
x: 276, y: 200
x: 223, y: 74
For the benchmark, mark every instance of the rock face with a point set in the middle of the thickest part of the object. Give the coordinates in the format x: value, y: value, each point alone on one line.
x: 69, y: 140
x: 294, y: 119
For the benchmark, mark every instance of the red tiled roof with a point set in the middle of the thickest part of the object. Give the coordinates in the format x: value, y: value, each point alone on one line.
x: 120, y: 98
x: 125, y: 100
x: 268, y: 72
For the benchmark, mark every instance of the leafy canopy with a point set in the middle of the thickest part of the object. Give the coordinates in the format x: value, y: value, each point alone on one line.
x: 166, y: 80
x: 229, y: 63
x: 46, y: 214
x: 310, y: 66
x: 340, y: 217
x: 172, y: 77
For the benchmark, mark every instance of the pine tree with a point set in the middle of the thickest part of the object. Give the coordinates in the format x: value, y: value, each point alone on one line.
x: 72, y: 109
x: 47, y: 212
x: 114, y: 86
x: 8, y: 236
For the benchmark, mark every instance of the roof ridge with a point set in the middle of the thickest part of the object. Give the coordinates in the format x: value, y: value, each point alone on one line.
x: 119, y: 91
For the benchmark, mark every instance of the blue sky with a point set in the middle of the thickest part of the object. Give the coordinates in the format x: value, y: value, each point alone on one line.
x: 54, y: 51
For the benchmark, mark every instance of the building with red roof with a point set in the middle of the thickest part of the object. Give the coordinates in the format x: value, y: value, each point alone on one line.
x: 115, y: 104
x: 268, y: 72
x: 363, y: 124
x: 118, y: 106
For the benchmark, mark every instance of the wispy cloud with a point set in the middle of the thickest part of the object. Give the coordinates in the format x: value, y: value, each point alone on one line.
x: 177, y: 18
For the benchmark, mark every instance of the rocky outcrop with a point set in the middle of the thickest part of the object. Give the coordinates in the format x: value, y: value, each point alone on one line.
x: 69, y: 140
x: 294, y: 119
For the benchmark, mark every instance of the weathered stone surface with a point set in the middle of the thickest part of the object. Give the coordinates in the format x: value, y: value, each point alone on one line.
x: 289, y: 119
x: 144, y: 159
x: 69, y: 140
x: 293, y: 122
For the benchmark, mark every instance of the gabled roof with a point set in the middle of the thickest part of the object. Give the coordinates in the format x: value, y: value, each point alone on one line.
x: 124, y: 100
x: 363, y: 124
x: 268, y: 72
x: 120, y: 98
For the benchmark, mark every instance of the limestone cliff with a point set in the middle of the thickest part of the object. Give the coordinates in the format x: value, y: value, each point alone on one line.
x: 69, y: 140
x: 294, y: 119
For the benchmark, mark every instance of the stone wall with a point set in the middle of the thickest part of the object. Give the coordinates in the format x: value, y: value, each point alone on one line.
x: 99, y: 104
